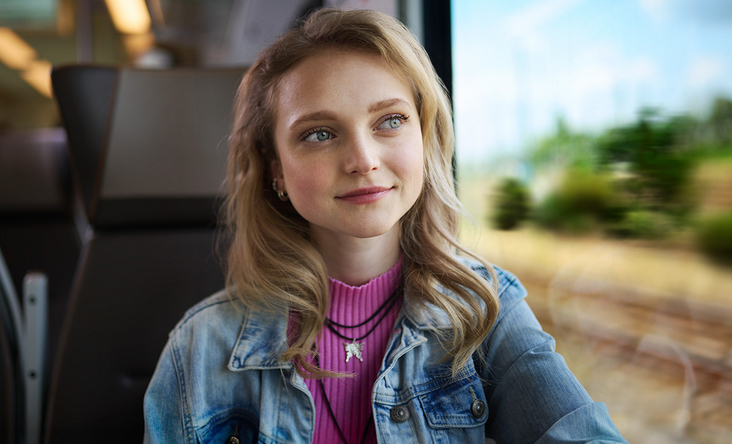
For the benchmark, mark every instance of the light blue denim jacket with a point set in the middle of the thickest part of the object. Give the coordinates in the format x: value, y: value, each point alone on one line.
x: 219, y: 377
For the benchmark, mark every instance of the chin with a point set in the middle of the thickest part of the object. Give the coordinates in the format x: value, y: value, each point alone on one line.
x: 370, y: 234
x: 369, y: 227
x: 371, y: 230
x: 382, y: 230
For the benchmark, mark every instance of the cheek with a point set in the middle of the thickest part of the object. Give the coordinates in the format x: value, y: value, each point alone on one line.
x: 302, y: 181
x: 409, y: 161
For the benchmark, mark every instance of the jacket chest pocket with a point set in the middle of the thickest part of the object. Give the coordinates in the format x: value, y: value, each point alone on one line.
x: 458, y: 404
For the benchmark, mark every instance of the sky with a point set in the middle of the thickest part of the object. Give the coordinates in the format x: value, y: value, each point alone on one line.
x: 519, y: 65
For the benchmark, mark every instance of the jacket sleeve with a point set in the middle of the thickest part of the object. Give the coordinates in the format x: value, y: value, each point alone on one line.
x: 164, y: 404
x: 532, y: 395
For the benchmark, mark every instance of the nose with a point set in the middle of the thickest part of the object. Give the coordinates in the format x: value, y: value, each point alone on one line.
x: 362, y: 155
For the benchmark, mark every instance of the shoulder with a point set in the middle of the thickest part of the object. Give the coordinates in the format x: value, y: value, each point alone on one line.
x: 218, y: 304
x: 228, y: 332
x: 509, y: 287
x: 510, y: 290
x: 219, y: 316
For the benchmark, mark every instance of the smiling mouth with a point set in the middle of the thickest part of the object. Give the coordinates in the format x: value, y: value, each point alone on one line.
x: 364, y: 195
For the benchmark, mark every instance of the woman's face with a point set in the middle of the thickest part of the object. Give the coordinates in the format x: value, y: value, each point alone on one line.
x: 349, y: 142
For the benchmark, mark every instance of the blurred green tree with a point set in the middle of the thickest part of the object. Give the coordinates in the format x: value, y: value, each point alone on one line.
x: 511, y: 205
x: 659, y: 164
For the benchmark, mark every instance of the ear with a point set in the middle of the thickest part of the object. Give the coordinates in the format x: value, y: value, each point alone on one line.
x: 275, y: 168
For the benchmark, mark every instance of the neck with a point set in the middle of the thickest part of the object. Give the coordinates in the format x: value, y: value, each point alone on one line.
x: 355, y: 261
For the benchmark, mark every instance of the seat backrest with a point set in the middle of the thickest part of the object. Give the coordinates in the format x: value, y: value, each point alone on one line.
x: 151, y: 200
x: 37, y: 231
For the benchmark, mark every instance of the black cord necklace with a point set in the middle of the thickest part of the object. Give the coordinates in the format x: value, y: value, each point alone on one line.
x: 354, y: 348
x: 332, y: 415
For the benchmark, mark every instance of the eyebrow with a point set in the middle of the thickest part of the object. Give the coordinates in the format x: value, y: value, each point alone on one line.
x: 378, y: 106
x: 328, y: 115
x: 317, y: 115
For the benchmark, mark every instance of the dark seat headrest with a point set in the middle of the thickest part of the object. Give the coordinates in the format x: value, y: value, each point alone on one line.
x: 147, y: 146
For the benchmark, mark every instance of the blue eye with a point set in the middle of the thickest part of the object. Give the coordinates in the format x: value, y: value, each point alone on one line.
x: 392, y: 122
x: 318, y: 136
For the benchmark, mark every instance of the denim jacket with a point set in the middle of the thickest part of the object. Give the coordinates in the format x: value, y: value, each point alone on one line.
x: 219, y: 380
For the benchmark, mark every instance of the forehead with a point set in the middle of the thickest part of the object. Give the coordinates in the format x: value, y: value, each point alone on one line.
x: 334, y: 76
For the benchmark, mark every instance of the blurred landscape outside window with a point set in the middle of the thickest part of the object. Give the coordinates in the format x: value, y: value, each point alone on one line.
x: 594, y: 153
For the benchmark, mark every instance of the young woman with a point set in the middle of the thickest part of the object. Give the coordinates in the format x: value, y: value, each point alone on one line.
x: 349, y: 315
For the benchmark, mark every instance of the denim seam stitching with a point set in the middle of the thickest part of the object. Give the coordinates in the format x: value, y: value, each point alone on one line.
x: 185, y: 406
x: 197, y: 309
x: 513, y: 364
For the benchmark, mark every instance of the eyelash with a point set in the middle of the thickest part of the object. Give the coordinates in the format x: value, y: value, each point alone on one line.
x: 315, y: 130
x: 404, y: 118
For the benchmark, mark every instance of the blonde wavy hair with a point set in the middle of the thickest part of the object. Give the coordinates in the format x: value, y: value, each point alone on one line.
x: 272, y: 263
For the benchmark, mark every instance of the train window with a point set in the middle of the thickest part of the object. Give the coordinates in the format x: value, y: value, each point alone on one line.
x: 593, y: 152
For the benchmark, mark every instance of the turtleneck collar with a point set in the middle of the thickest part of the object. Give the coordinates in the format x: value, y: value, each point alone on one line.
x: 351, y: 305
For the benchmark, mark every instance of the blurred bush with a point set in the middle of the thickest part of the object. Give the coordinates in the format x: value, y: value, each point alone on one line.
x: 511, y: 206
x: 714, y: 236
x: 645, y: 224
x: 720, y: 121
x: 583, y: 201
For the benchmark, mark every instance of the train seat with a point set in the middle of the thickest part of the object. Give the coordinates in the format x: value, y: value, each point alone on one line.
x: 148, y: 152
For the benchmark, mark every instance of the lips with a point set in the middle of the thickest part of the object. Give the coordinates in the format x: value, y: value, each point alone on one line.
x: 364, y: 195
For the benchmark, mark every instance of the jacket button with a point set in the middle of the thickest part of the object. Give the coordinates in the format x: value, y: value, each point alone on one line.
x: 477, y: 408
x: 232, y: 440
x: 399, y: 413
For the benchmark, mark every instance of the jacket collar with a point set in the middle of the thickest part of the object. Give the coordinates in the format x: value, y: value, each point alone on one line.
x: 431, y: 318
x: 263, y: 335
x: 260, y: 343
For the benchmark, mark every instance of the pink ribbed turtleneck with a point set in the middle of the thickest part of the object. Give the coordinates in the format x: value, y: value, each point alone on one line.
x: 350, y: 398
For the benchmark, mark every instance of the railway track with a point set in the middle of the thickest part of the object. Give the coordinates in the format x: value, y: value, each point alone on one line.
x: 671, y: 337
x: 672, y: 329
